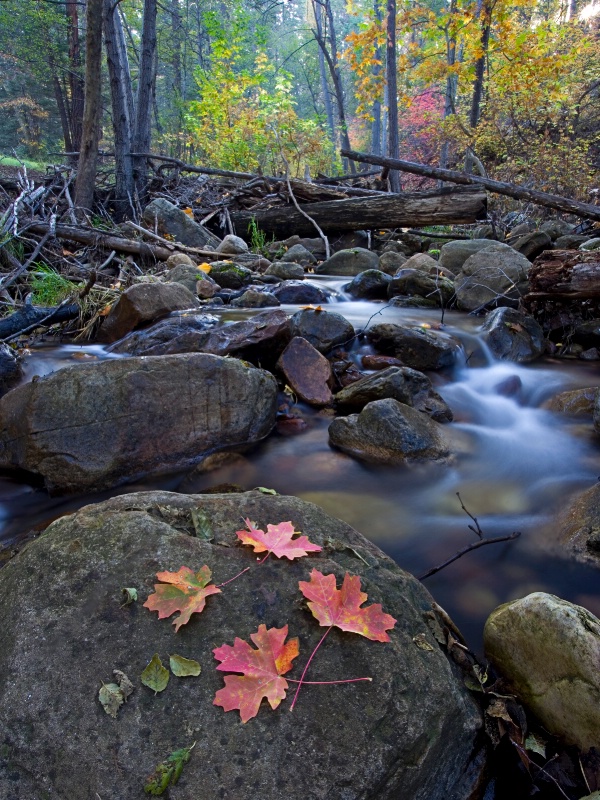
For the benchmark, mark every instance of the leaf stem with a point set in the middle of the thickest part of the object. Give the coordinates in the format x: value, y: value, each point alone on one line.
x: 312, y: 655
x: 232, y: 579
x: 262, y: 560
x: 327, y: 683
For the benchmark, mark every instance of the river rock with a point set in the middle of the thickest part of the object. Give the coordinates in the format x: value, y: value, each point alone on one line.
x: 372, y: 284
x: 286, y: 271
x: 263, y: 337
x: 143, y: 303
x: 370, y: 361
x: 307, y: 372
x: 549, y: 651
x: 423, y: 262
x: 591, y: 244
x: 571, y: 241
x: 588, y: 333
x: 495, y: 276
x: 229, y: 275
x: 556, y: 227
x: 300, y: 255
x: 390, y: 261
x: 206, y: 288
x: 574, y: 403
x: 63, y: 629
x: 97, y: 425
x: 418, y: 348
x: 532, y: 244
x: 401, y: 383
x: 512, y: 335
x: 576, y: 529
x: 316, y: 246
x: 11, y: 370
x: 454, y: 254
x: 253, y: 298
x: 189, y: 276
x: 232, y: 245
x: 300, y: 293
x: 178, y: 259
x: 323, y: 329
x: 168, y: 219
x: 410, y: 282
x: 388, y: 432
x: 349, y: 262
x: 412, y: 302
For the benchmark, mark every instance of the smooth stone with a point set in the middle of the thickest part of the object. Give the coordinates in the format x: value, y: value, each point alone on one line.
x: 349, y: 262
x: 323, y: 329
x: 168, y: 219
x: 418, y: 348
x: 307, y: 371
x: 512, y: 335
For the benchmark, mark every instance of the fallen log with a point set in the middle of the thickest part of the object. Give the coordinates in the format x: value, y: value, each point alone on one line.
x: 584, y: 210
x: 29, y: 317
x: 448, y: 206
x: 566, y: 273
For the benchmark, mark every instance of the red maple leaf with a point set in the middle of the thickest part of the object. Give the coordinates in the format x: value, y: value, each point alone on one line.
x: 341, y: 607
x: 181, y: 591
x: 277, y: 540
x: 261, y: 671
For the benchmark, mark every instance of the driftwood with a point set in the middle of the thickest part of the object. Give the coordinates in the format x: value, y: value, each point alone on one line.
x: 584, y: 210
x: 29, y: 317
x: 448, y: 206
x: 570, y: 274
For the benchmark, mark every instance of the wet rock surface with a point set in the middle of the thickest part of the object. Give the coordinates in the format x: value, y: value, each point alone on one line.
x: 512, y: 335
x: 61, y: 618
x: 349, y: 262
x: 418, y: 348
x: 307, y: 372
x: 495, y: 276
x: 323, y: 329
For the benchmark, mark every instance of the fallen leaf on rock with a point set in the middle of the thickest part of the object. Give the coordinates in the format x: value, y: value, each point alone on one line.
x: 183, y: 667
x: 341, y: 607
x: 111, y: 698
x: 261, y: 671
x: 167, y: 773
x: 155, y: 676
x: 129, y: 596
x: 183, y: 591
x: 125, y: 685
x: 421, y: 641
x: 277, y: 540
x: 202, y: 525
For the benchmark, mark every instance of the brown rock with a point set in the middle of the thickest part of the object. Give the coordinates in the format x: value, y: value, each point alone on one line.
x: 307, y: 372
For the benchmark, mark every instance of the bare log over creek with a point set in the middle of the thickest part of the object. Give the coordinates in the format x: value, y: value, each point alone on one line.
x: 447, y: 206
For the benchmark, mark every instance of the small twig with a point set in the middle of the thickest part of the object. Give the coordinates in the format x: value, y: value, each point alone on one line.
x: 234, y: 577
x: 12, y: 277
x: 467, y: 549
x: 476, y: 530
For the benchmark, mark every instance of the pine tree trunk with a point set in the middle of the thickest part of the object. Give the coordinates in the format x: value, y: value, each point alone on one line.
x: 393, y: 139
x: 146, y: 83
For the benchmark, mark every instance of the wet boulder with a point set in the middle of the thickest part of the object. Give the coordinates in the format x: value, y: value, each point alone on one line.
x: 323, y: 329
x: 391, y: 261
x: 166, y: 218
x: 229, y: 275
x: 495, y: 276
x: 189, y: 276
x: 253, y: 298
x: 512, y: 335
x: 143, y: 303
x: 94, y: 426
x: 300, y: 293
x: 372, y: 284
x: 574, y: 403
x: 349, y: 262
x: 63, y: 628
x: 549, y: 650
x: 299, y: 254
x: 418, y: 348
x: 388, y: 432
x: 264, y: 335
x: 576, y: 529
x: 307, y: 371
x: 406, y: 385
x: 423, y: 262
x: 410, y: 282
x: 286, y: 271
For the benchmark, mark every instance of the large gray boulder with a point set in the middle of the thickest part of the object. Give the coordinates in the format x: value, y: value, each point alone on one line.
x: 495, y: 276
x: 413, y: 733
x: 417, y: 347
x: 93, y: 426
x: 454, y: 254
x: 323, y: 329
x: 168, y: 219
x: 372, y: 284
x: 549, y: 651
x: 406, y: 385
x: 512, y: 335
x: 416, y: 282
x: 349, y: 262
x: 532, y: 244
x: 388, y: 432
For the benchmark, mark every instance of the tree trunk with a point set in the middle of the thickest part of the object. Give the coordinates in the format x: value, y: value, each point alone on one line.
x: 62, y: 110
x: 449, y: 206
x: 318, y: 11
x: 92, y: 112
x: 145, y: 92
x: 484, y: 12
x: 76, y: 82
x: 393, y: 140
x: 122, y: 102
x: 584, y: 210
x: 449, y: 100
x: 376, y: 125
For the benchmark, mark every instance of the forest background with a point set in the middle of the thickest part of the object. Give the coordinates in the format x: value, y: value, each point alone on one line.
x: 509, y: 87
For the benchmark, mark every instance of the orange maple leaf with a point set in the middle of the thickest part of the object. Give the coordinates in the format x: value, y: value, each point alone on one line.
x: 261, y: 671
x: 277, y: 540
x: 181, y: 591
x: 341, y: 607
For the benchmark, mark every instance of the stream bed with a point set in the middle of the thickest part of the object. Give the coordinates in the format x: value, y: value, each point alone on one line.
x: 516, y: 465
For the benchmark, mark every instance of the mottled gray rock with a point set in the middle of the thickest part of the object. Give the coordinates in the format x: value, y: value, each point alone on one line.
x: 11, y: 370
x: 454, y: 254
x: 576, y: 529
x: 372, y: 284
x: 495, y: 276
x: 263, y: 336
x: 229, y: 275
x: 571, y: 241
x: 189, y: 275
x: 143, y: 303
x: 549, y: 651
x: 300, y: 293
x: 323, y: 329
x: 177, y: 259
x: 416, y: 282
x: 421, y: 261
x: 390, y: 261
x: 556, y: 227
x: 418, y: 348
x: 412, y: 302
x: 252, y: 298
x: 167, y: 218
x: 574, y: 403
x: 532, y: 244
x: 97, y: 425
x: 232, y: 245
x: 406, y: 385
x: 591, y: 244
x: 512, y: 335
x: 307, y: 372
x: 286, y: 271
x: 412, y: 733
x: 300, y: 255
x: 349, y: 262
x: 389, y: 432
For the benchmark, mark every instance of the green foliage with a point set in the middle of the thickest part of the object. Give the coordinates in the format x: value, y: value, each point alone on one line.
x: 258, y: 239
x: 168, y: 772
x: 48, y: 288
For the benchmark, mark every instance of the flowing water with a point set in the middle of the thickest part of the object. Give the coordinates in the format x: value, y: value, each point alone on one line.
x: 516, y: 465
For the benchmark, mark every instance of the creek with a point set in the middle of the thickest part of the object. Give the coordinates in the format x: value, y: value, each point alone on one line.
x: 516, y: 465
